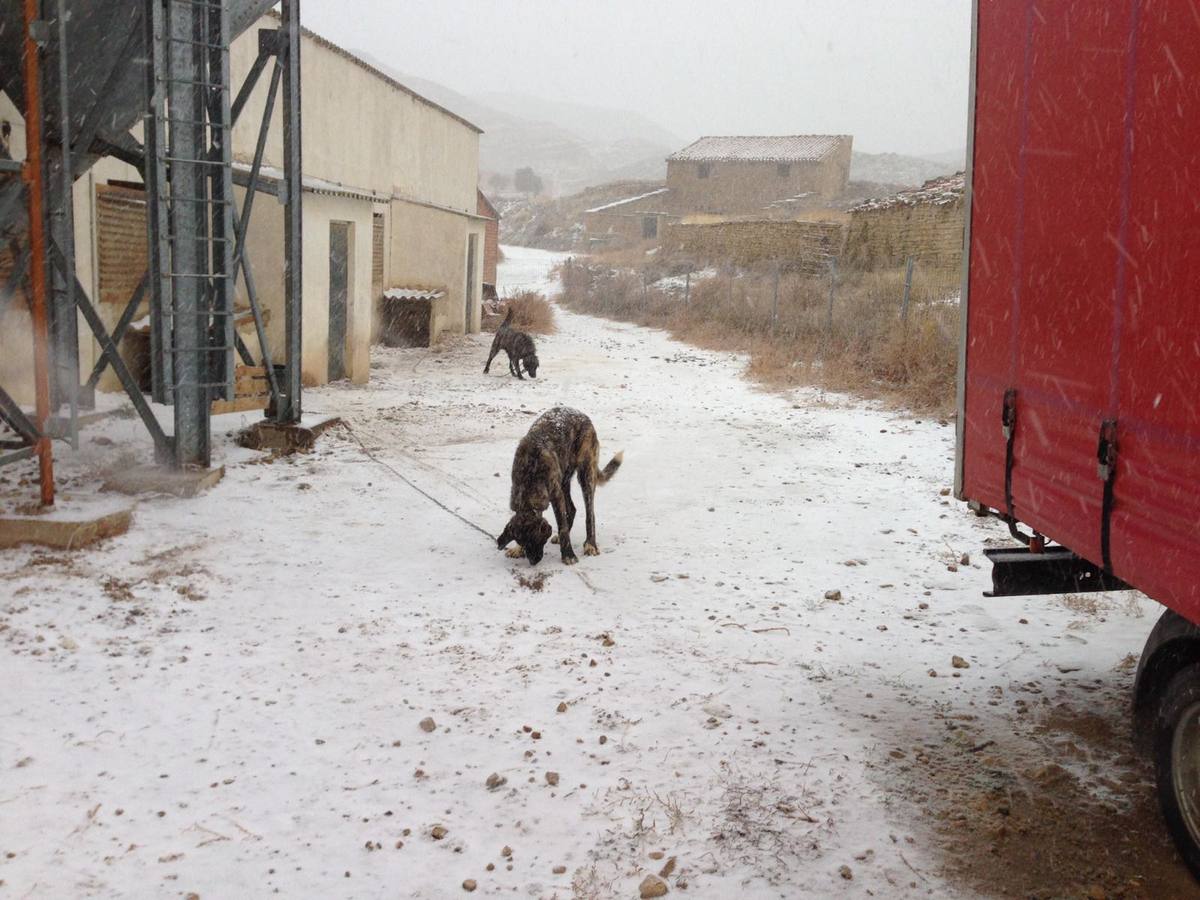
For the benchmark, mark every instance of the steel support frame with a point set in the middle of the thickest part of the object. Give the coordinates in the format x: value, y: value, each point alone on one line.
x: 211, y: 308
x: 34, y: 175
x: 288, y: 412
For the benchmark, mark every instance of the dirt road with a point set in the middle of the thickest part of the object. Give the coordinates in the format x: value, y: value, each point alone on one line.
x: 752, y: 689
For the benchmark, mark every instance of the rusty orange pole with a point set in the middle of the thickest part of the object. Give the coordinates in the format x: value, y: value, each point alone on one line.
x: 37, y: 250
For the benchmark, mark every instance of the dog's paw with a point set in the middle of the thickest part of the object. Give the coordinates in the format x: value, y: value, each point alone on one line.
x: 514, y: 552
x: 570, y: 560
x: 591, y: 550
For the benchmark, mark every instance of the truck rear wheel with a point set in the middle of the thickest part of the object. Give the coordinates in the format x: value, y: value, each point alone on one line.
x: 1177, y: 761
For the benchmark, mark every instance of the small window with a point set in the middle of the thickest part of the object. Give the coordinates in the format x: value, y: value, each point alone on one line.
x: 649, y: 227
x: 784, y: 170
x: 703, y: 170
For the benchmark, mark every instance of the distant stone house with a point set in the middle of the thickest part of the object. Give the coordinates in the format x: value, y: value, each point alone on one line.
x: 768, y: 177
x: 630, y: 220
x: 926, y: 224
x: 491, y: 243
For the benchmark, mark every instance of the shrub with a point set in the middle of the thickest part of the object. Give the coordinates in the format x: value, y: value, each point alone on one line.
x: 532, y: 312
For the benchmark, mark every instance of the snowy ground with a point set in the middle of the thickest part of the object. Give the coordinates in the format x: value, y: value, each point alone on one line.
x: 226, y: 701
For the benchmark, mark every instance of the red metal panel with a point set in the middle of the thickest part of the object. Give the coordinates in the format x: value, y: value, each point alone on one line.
x: 1156, y: 522
x: 1083, y: 236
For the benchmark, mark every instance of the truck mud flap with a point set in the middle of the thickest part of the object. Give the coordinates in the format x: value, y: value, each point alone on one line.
x: 1018, y: 571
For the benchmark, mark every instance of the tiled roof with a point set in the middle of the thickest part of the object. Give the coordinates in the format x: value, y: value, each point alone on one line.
x: 784, y: 148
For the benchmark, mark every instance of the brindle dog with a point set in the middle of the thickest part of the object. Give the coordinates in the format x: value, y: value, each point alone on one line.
x: 560, y: 443
x: 519, y: 347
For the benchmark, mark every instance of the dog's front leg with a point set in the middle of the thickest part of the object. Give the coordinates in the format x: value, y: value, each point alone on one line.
x: 561, y: 516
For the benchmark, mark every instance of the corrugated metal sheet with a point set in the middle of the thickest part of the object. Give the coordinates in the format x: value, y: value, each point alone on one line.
x: 781, y: 148
x: 121, y: 249
x: 412, y: 294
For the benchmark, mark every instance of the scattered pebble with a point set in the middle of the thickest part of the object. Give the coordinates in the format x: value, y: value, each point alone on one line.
x: 846, y: 872
x: 469, y: 885
x: 428, y: 725
x: 959, y: 663
x: 495, y: 781
x: 552, y: 779
x: 652, y: 886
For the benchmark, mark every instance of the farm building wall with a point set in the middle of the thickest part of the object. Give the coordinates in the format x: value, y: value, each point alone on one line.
x: 887, y: 237
x: 369, y: 145
x: 491, y: 238
x: 807, y: 245
x: 747, y: 188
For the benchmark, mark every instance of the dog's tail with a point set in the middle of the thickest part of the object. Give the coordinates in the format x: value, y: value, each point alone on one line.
x: 508, y: 317
x: 605, y: 474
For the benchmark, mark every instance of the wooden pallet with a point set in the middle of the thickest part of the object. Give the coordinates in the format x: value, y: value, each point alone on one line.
x: 251, y: 390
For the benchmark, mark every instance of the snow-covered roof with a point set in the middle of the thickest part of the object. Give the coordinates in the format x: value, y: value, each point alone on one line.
x: 402, y: 293
x: 783, y: 148
x: 935, y: 192
x: 616, y: 203
x: 272, y: 174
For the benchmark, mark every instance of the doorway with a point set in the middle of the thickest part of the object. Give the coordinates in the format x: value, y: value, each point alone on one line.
x: 472, y: 255
x: 339, y: 297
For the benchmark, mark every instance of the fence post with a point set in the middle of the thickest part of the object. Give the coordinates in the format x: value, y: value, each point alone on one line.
x: 907, y: 291
x: 832, y: 282
x: 645, y: 281
x: 687, y: 288
x: 775, y: 301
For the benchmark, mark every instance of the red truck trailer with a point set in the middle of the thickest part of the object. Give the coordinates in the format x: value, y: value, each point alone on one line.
x: 1079, y: 376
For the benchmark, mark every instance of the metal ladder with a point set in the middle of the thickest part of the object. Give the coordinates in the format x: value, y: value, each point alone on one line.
x: 189, y: 182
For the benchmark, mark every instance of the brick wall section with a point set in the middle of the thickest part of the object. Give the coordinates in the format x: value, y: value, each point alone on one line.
x: 745, y: 188
x: 806, y: 245
x: 491, y: 238
x: 883, y: 238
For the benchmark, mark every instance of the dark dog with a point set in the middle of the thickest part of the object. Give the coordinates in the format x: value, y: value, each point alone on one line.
x: 560, y: 443
x: 519, y: 347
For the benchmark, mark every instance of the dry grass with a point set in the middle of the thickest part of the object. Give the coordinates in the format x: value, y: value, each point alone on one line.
x: 532, y: 312
x: 867, y: 348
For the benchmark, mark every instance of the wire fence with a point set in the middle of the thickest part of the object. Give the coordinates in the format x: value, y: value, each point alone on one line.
x: 895, y: 328
x: 779, y: 297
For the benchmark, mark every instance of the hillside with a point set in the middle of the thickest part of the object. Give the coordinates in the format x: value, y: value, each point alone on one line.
x: 569, y: 146
x: 898, y: 169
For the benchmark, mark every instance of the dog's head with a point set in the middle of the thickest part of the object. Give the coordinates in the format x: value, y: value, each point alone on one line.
x: 531, y: 365
x: 530, y: 531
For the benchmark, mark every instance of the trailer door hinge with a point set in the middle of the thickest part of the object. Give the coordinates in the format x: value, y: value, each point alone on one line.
x: 1106, y: 455
x: 1008, y: 414
x: 1106, y: 452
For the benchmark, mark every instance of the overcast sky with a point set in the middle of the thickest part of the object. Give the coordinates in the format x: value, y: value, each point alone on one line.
x: 891, y: 72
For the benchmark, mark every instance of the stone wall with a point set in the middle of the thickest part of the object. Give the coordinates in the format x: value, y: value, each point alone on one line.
x: 804, y: 245
x: 926, y: 224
